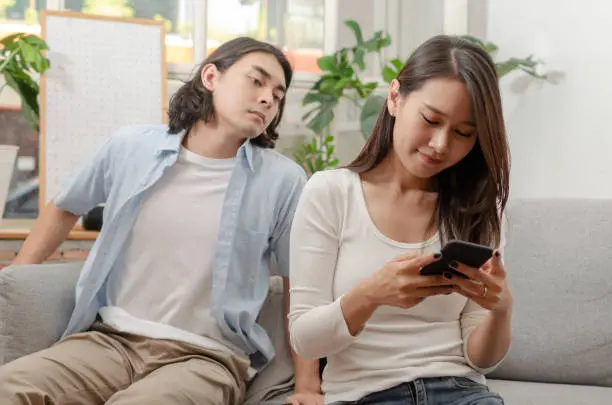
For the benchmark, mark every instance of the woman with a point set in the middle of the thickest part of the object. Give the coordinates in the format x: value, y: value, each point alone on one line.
x: 435, y: 168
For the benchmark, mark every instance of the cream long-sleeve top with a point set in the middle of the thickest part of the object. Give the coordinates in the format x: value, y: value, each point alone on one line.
x: 334, y: 246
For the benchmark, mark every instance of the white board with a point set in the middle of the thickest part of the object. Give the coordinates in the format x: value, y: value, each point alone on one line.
x: 105, y: 73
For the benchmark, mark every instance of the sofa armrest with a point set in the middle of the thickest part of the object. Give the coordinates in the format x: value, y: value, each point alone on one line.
x: 36, y: 302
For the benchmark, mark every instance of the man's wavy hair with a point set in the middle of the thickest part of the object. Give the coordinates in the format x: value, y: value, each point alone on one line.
x: 193, y: 102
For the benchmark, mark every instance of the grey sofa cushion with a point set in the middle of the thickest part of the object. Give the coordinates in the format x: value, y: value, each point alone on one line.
x: 559, y: 262
x: 525, y: 393
x: 36, y: 302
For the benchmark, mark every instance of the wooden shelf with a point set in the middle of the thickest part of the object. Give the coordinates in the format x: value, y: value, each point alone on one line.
x: 19, y: 229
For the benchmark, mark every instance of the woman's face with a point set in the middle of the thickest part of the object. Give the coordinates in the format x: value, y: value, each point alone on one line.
x: 434, y: 126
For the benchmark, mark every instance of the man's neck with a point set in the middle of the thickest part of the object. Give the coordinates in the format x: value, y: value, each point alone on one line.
x: 207, y: 139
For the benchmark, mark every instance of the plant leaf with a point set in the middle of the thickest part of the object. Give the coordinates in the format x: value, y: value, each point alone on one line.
x: 369, y: 113
x: 28, y: 53
x: 327, y: 63
x: 27, y: 89
x: 35, y: 41
x: 306, y: 116
x: 388, y: 74
x: 503, y: 68
x: 312, y: 97
x: 397, y: 64
x: 359, y: 57
x: 322, y: 119
x: 356, y: 29
x: 11, y: 42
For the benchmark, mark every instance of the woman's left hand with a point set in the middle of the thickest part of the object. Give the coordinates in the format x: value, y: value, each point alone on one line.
x: 486, y: 286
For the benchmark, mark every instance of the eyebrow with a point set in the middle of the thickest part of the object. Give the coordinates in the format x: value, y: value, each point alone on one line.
x: 265, y: 73
x: 434, y: 109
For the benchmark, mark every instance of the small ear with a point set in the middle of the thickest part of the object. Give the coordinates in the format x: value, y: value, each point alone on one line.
x: 209, y: 76
x: 393, y: 97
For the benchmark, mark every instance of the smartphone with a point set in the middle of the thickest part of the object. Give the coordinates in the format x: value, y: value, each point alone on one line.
x: 470, y: 254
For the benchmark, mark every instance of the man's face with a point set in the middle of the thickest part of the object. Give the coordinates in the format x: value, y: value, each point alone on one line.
x: 247, y: 96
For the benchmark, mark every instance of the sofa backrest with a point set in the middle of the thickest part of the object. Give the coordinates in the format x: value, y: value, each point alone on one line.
x: 559, y: 263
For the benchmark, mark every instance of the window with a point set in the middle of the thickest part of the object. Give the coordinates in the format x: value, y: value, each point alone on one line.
x: 304, y: 33
x: 294, y: 25
x: 20, y: 16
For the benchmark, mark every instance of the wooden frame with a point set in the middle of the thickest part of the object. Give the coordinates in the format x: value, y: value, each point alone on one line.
x: 43, y: 32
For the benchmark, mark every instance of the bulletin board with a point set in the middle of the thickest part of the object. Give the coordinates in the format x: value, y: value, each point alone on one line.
x: 105, y: 73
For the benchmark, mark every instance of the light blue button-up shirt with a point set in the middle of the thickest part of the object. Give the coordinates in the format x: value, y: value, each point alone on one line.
x: 255, y: 223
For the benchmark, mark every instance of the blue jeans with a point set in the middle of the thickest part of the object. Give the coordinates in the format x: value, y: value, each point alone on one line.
x: 433, y: 391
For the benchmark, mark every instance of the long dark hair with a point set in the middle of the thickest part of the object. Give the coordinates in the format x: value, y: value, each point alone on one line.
x: 473, y: 193
x: 193, y: 102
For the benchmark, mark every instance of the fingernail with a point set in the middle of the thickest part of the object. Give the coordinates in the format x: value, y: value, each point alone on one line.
x: 447, y: 275
x: 497, y: 254
x: 438, y: 255
x: 454, y: 264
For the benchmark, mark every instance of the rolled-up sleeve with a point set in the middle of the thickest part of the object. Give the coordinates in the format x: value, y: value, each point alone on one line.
x: 316, y: 322
x: 89, y: 185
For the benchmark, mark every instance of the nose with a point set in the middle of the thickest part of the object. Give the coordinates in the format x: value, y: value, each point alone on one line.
x: 440, y: 141
x: 266, y: 98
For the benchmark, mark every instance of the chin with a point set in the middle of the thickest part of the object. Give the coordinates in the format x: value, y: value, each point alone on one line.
x: 250, y: 131
x: 418, y: 170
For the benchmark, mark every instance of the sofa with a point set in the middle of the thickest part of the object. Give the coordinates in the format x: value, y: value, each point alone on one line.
x: 558, y: 258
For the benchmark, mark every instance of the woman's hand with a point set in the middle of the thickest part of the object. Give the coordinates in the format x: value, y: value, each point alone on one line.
x: 486, y: 286
x: 400, y: 284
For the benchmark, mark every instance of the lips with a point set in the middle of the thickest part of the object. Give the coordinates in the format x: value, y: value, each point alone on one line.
x: 430, y: 159
x: 260, y: 115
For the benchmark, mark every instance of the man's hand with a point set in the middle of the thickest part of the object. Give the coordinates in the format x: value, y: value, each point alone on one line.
x: 305, y: 398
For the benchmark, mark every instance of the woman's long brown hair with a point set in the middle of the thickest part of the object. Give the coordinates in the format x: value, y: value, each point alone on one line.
x: 473, y: 193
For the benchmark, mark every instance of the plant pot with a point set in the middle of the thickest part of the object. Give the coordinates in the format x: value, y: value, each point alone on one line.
x: 8, y: 156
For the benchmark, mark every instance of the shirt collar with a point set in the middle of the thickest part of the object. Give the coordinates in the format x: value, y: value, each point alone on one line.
x: 173, y: 142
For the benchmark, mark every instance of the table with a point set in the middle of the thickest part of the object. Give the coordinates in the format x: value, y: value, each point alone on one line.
x: 13, y: 233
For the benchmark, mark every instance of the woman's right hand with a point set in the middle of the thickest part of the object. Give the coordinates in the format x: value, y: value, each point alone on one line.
x: 400, y: 284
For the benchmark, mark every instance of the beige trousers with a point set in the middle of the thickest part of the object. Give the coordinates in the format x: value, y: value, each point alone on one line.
x: 102, y: 366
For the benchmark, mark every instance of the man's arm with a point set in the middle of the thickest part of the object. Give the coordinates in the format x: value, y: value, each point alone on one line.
x: 87, y: 188
x: 49, y: 231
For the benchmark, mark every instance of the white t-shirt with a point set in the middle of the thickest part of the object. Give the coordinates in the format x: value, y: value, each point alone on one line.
x: 335, y: 245
x: 165, y: 287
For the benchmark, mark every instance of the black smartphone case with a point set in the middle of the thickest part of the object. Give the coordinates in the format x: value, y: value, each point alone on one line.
x: 470, y: 254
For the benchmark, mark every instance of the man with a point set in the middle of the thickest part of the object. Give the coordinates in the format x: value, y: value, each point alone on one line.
x: 167, y: 301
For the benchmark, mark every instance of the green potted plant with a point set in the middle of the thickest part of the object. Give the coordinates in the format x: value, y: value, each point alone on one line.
x: 22, y: 61
x: 339, y: 79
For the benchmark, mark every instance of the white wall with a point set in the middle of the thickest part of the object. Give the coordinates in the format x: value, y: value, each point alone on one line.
x: 560, y: 135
